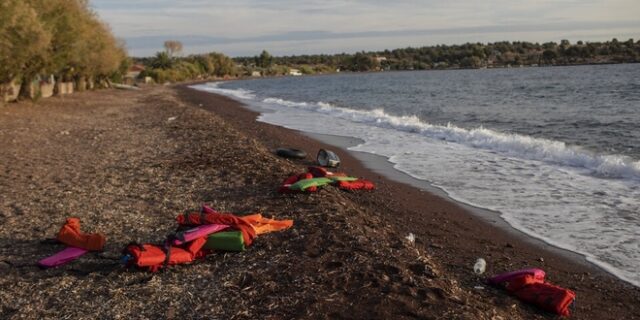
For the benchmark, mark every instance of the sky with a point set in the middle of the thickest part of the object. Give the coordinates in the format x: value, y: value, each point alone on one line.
x: 288, y: 27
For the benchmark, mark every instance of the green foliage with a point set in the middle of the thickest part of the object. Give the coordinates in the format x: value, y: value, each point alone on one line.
x: 163, y: 68
x: 60, y: 37
x: 468, y: 55
x: 162, y: 60
x: 362, y: 62
x: 24, y: 40
x: 307, y: 70
x: 265, y: 60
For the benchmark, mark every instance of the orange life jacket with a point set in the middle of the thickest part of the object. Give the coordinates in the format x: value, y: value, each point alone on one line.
x: 71, y: 235
x: 154, y: 257
x: 356, y: 185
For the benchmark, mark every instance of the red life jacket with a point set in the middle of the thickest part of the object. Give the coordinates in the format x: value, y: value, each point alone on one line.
x: 528, y: 285
x: 319, y: 172
x: 546, y: 296
x: 286, y: 184
x: 154, y: 257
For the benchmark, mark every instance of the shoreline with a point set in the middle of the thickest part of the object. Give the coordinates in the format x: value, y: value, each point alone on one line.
x: 381, y: 165
x: 505, y: 219
x: 452, y: 234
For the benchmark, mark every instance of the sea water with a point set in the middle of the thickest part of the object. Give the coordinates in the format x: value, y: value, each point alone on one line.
x: 556, y: 151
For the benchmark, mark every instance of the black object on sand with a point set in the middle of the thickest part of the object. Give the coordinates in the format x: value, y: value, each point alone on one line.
x: 291, y: 153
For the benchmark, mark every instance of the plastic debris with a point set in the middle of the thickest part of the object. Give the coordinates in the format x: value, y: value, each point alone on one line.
x: 411, y: 238
x: 480, y: 266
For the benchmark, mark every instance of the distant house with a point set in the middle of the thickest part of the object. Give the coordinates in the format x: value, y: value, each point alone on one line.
x: 133, y: 73
x: 256, y: 74
x: 294, y: 72
x: 380, y: 59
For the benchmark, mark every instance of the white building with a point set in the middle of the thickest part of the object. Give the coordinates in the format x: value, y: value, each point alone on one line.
x: 294, y: 72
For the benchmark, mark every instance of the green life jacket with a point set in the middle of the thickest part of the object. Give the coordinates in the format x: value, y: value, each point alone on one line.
x: 302, y: 185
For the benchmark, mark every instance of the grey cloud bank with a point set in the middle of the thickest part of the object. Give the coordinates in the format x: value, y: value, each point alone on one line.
x: 290, y: 27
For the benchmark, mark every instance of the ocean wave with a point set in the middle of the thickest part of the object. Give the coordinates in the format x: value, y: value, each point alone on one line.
x: 513, y: 145
x: 215, y: 88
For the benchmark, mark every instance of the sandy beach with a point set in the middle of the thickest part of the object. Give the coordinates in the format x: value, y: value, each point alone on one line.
x: 127, y: 162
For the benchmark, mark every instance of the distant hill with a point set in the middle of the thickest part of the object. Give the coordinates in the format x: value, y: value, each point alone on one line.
x: 468, y: 55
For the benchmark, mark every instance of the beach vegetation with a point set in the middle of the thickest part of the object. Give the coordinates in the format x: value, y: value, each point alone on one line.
x: 468, y: 55
x: 163, y: 67
x: 264, y: 60
x: 60, y: 38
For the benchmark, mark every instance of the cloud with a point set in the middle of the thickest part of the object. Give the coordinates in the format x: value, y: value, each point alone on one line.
x: 244, y: 25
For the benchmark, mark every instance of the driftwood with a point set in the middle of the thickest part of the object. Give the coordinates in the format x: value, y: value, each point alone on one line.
x: 124, y: 86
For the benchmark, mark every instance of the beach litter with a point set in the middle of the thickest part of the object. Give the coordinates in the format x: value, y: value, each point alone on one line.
x: 63, y: 257
x: 291, y: 153
x: 480, y: 266
x: 78, y: 244
x: 209, y: 230
x: 411, y: 238
x: 205, y: 231
x: 328, y: 158
x: 172, y: 119
x: 529, y: 286
x: 71, y: 235
x: 317, y: 177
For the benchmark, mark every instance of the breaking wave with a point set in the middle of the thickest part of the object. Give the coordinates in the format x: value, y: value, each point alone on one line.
x: 214, y: 87
x: 513, y: 145
x: 508, y: 144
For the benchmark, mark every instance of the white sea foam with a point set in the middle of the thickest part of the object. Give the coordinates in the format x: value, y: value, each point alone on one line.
x: 514, y: 145
x: 215, y: 88
x: 545, y: 188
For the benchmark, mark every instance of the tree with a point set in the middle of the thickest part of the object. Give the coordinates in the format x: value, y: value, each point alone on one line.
x: 161, y: 61
x: 549, y: 55
x: 23, y: 41
x: 172, y: 48
x: 265, y: 60
x: 223, y: 65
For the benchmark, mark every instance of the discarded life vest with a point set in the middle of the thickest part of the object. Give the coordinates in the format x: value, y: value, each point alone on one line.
x: 198, y: 232
x: 226, y: 241
x: 265, y: 225
x: 78, y: 243
x: 71, y: 235
x: 528, y: 285
x: 210, y: 216
x: 355, y: 185
x: 153, y: 257
x: 287, y: 183
x: 318, y: 177
x: 63, y: 257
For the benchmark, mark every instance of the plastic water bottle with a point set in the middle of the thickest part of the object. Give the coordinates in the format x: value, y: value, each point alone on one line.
x: 480, y: 266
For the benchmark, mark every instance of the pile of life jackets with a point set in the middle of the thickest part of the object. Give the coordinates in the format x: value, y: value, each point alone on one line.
x: 529, y: 286
x: 209, y: 230
x: 317, y: 177
x: 78, y: 244
x: 200, y: 234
